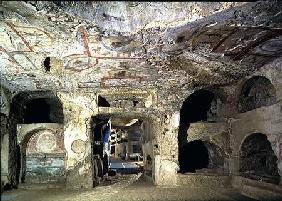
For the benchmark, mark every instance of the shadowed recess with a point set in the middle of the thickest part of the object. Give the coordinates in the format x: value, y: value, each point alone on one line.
x: 257, y: 159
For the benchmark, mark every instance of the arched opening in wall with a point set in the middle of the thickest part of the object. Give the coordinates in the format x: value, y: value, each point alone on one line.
x: 201, y: 156
x: 43, y: 157
x: 196, y: 107
x: 199, y: 106
x: 256, y: 92
x: 116, y: 146
x: 29, y: 107
x: 195, y: 156
x: 43, y: 110
x: 257, y: 159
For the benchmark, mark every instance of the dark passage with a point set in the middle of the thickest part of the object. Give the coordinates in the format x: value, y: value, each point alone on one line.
x: 196, y: 156
x: 194, y: 109
x: 43, y: 110
x: 100, y: 157
x: 196, y: 106
x: 37, y: 111
x: 46, y: 64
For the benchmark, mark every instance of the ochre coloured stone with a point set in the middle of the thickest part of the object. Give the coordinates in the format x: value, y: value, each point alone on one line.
x: 78, y: 146
x: 46, y: 142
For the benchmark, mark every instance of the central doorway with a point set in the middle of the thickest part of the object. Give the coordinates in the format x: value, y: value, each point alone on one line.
x: 116, y: 144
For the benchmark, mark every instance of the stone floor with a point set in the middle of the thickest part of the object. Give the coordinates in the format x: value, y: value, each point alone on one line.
x: 130, y: 187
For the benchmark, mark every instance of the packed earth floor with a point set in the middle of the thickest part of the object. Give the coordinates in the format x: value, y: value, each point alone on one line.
x: 125, y: 187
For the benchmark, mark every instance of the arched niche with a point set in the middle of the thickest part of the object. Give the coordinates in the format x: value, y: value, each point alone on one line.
x: 257, y: 159
x: 36, y: 107
x: 194, y: 156
x: 202, y: 105
x: 20, y: 103
x: 196, y: 106
x: 256, y: 92
x: 198, y: 154
x: 43, y: 156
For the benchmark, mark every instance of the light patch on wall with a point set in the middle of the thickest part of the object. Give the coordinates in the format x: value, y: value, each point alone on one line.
x: 84, y: 169
x: 175, y: 119
x: 78, y: 146
x: 46, y: 142
x: 149, y: 101
x: 133, y: 121
x: 72, y: 133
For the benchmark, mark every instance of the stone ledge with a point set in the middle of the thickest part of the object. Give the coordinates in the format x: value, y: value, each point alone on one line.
x: 257, y: 189
x: 262, y: 113
x: 203, y: 130
x: 201, y: 180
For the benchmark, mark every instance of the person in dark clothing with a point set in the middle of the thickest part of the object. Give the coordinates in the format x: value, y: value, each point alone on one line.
x: 106, y: 130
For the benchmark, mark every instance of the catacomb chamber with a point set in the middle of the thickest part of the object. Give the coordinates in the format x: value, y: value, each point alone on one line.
x: 83, y: 101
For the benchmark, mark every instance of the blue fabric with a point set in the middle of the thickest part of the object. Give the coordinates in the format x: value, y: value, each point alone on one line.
x: 106, y: 134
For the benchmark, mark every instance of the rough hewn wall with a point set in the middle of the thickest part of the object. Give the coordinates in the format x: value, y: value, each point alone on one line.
x: 4, y: 144
x: 266, y: 120
x: 4, y: 150
x: 78, y: 109
x: 166, y: 151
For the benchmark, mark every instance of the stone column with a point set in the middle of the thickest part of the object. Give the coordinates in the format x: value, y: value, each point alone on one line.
x: 78, y: 110
x: 166, y: 161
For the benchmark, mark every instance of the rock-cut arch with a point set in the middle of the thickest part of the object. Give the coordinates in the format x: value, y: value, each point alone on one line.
x: 256, y: 92
x: 257, y: 159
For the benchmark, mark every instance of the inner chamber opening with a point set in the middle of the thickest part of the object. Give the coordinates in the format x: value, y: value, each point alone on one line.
x: 43, y: 110
x: 257, y: 159
x: 43, y: 157
x: 197, y: 107
x: 116, y: 146
x: 196, y: 156
x: 102, y: 102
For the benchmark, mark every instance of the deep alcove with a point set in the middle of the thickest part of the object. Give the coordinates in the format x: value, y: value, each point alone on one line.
x: 256, y: 92
x: 195, y: 108
x: 257, y: 159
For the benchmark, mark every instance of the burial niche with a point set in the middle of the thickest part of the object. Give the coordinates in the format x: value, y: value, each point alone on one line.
x: 256, y: 92
x: 257, y: 159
